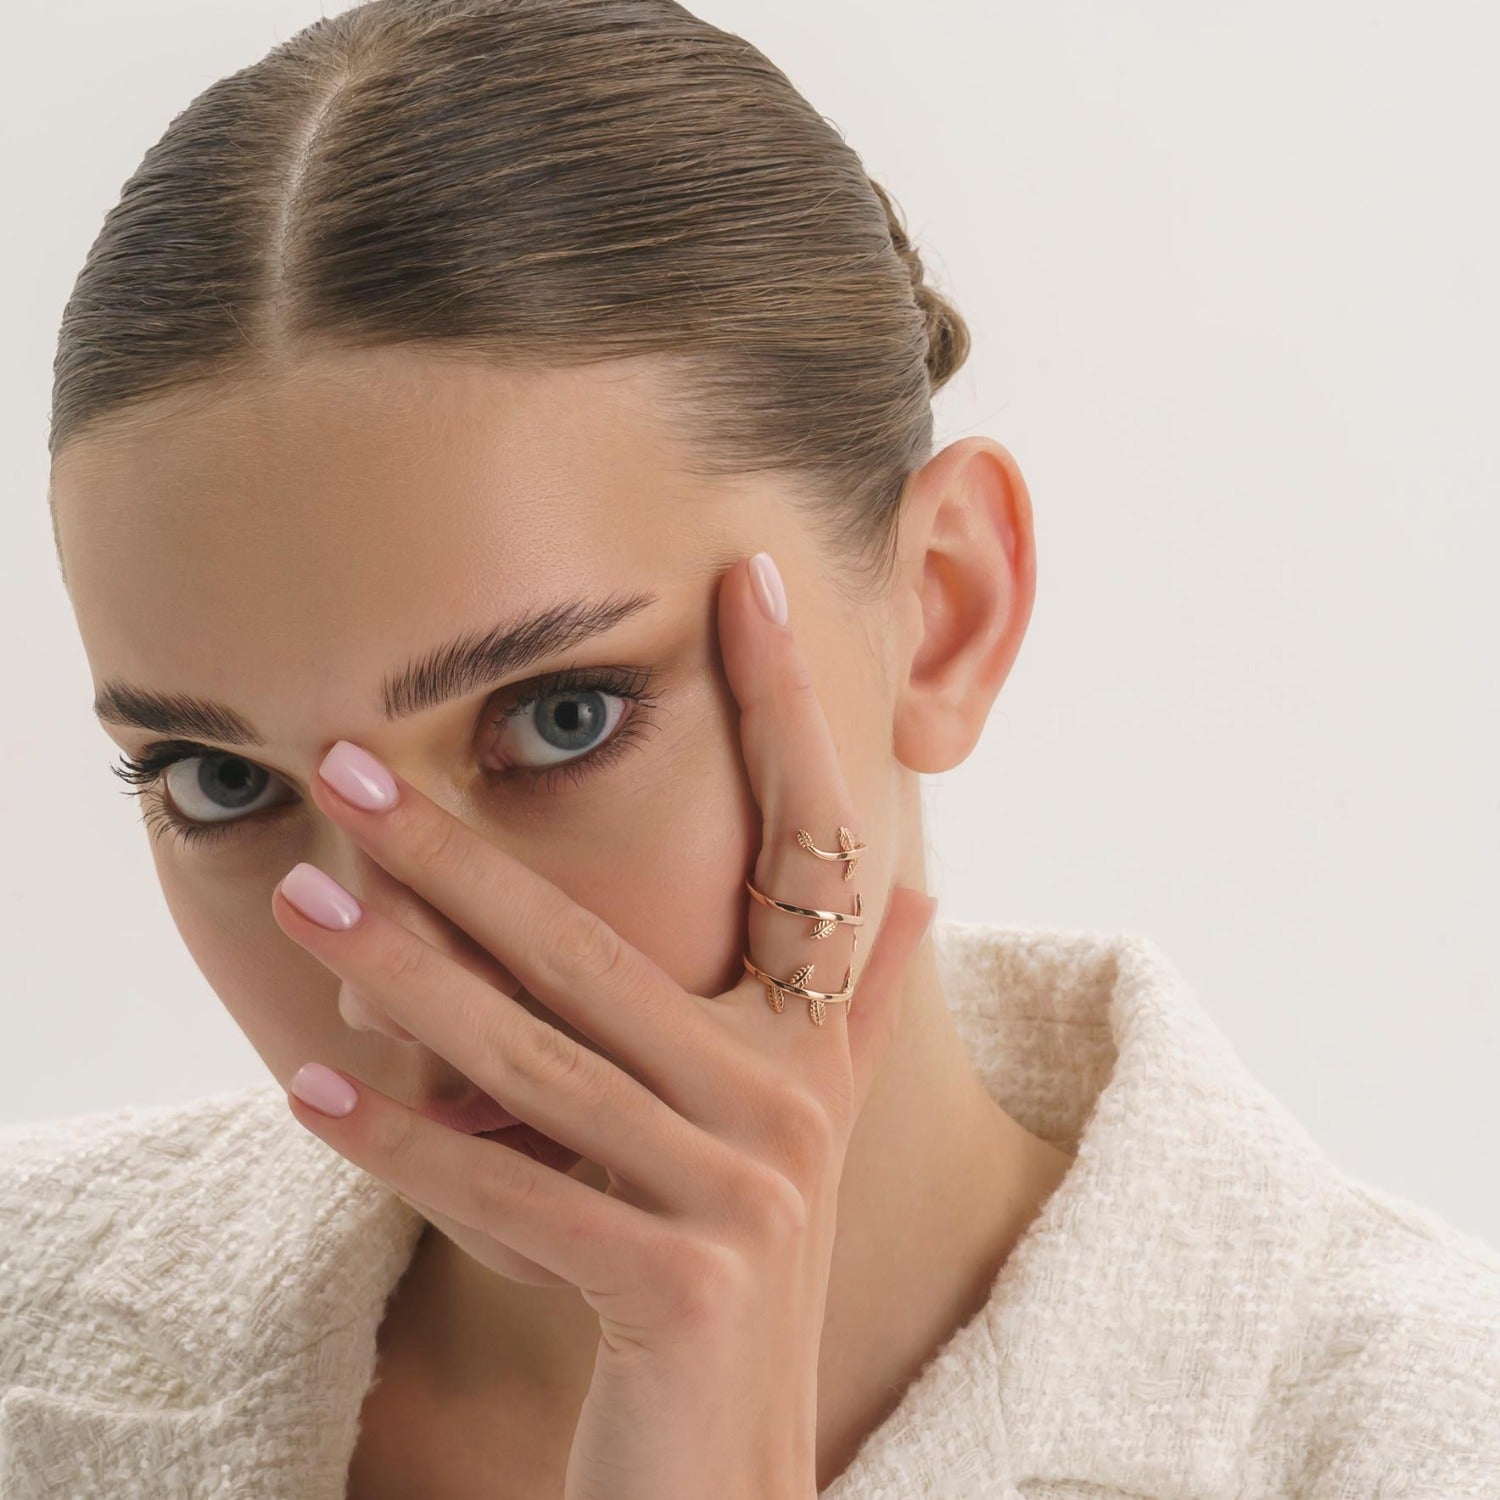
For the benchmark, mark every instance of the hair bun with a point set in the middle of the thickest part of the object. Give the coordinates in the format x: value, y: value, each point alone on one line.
x: 947, y: 333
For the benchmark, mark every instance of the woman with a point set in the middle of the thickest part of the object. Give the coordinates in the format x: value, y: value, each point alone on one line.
x: 492, y: 472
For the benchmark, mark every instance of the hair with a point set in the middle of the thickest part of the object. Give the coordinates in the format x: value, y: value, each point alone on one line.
x: 530, y: 182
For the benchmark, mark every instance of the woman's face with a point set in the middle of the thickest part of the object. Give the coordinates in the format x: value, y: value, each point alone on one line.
x: 295, y: 553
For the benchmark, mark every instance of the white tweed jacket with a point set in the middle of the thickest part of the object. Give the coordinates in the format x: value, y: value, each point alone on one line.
x: 1206, y: 1307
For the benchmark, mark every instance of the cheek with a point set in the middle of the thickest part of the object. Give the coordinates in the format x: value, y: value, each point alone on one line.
x: 668, y: 865
x: 282, y: 998
x: 668, y: 871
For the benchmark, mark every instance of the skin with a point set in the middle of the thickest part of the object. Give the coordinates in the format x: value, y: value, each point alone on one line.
x: 283, y: 544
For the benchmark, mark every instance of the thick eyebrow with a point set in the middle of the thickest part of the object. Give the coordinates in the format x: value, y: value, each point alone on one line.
x: 467, y: 664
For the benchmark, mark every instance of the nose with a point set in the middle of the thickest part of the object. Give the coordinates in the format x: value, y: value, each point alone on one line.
x: 361, y: 1015
x: 374, y: 886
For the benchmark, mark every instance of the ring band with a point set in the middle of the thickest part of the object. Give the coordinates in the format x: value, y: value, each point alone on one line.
x: 823, y: 921
x: 847, y: 849
x: 778, y: 989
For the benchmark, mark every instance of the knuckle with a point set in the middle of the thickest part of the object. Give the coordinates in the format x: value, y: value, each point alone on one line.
x: 580, y: 944
x: 776, y: 1207
x: 502, y: 1180
x: 401, y: 958
x: 783, y: 695
x: 653, y: 997
x: 825, y: 886
x: 394, y: 1138
x: 797, y: 681
x: 543, y: 1056
x: 434, y: 843
x: 795, y: 1106
x: 801, y: 1130
x: 699, y: 1279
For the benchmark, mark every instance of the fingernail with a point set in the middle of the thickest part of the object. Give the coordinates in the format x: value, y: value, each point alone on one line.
x: 358, y: 777
x: 320, y: 898
x: 769, y: 588
x: 324, y: 1090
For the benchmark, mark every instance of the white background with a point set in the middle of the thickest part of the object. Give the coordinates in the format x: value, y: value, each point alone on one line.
x: 1231, y: 276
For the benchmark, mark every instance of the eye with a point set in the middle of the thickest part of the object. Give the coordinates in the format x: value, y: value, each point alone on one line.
x: 196, y: 792
x: 216, y: 787
x: 546, y: 731
x: 567, y: 725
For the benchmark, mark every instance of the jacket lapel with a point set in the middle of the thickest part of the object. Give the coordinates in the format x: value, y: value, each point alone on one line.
x: 1166, y: 1281
x: 1156, y: 1292
x: 1129, y: 1340
x: 258, y: 1266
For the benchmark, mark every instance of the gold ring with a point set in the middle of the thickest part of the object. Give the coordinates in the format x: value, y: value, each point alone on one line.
x: 778, y: 989
x: 847, y: 849
x: 823, y: 921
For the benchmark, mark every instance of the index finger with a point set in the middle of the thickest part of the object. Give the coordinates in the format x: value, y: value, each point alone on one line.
x: 810, y: 828
x: 567, y: 956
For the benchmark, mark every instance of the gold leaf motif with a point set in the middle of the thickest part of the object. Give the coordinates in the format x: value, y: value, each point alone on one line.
x: 823, y: 928
x: 846, y: 843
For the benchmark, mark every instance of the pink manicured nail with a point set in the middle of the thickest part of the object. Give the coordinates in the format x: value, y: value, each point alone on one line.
x: 327, y: 1092
x: 358, y: 777
x: 320, y: 898
x: 769, y: 587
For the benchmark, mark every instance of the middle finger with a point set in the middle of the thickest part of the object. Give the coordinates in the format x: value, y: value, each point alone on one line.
x: 567, y: 956
x: 546, y: 1078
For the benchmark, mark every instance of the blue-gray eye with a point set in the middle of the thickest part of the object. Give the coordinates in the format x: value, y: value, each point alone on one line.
x: 545, y: 731
x: 216, y: 787
x: 565, y: 731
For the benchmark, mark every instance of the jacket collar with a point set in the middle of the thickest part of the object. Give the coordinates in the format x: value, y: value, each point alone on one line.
x: 1131, y: 1335
x: 289, y: 1240
x: 1154, y: 1292
x: 259, y: 1262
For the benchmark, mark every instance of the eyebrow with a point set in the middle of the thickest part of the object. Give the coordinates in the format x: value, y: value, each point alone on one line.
x: 453, y: 669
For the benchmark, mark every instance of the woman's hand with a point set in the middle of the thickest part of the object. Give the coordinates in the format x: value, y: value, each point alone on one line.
x: 722, y: 1123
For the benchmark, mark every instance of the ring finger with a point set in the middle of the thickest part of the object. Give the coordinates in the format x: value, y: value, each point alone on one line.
x: 589, y: 1238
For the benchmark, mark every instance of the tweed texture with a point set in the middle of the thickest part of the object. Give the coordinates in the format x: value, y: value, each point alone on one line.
x: 1206, y: 1308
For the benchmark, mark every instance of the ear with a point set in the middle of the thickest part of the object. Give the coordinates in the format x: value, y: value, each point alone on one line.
x: 963, y: 591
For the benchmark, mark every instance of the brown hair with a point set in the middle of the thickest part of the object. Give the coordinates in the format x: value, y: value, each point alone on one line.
x: 548, y: 181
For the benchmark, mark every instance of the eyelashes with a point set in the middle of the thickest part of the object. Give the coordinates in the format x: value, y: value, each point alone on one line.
x: 146, y: 771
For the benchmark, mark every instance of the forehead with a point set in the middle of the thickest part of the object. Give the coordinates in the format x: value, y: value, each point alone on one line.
x: 363, y: 505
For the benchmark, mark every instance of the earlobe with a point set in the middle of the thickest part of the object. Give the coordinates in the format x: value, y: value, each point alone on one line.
x: 966, y: 586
